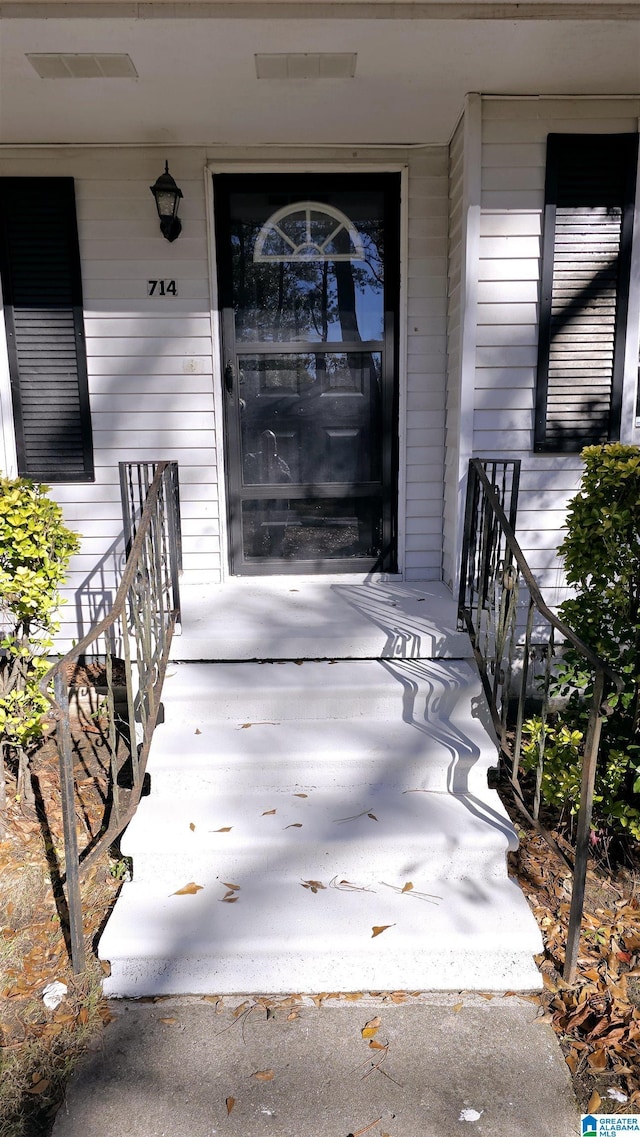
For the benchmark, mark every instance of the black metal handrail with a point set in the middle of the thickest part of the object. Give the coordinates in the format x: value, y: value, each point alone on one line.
x: 515, y: 638
x: 139, y: 626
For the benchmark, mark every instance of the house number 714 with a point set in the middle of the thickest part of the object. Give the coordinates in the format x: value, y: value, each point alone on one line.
x: 162, y: 288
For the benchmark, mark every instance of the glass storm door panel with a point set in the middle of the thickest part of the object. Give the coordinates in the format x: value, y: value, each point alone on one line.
x: 308, y: 271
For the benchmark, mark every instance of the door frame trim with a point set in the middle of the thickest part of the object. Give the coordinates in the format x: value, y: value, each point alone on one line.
x: 266, y: 166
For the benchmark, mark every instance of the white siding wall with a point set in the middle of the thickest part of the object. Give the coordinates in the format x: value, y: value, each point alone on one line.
x: 514, y: 134
x: 457, y: 234
x: 426, y: 363
x: 151, y: 360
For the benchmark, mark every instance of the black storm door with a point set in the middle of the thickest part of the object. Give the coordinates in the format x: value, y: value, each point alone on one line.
x: 308, y: 274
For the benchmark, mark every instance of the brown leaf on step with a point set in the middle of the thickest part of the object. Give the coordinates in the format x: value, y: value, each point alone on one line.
x: 378, y: 929
x: 372, y: 816
x: 407, y: 887
x: 594, y: 1103
x: 246, y: 725
x: 373, y: 1045
x: 189, y: 889
x: 457, y: 1007
x: 298, y: 662
x: 372, y: 1027
x: 233, y: 887
x: 229, y: 1102
x: 268, y: 812
x: 197, y: 731
x: 227, y: 895
x: 485, y: 995
x: 192, y: 826
x: 225, y: 829
x: 169, y: 1022
x: 228, y: 899
x: 353, y: 996
x: 263, y: 1075
x: 314, y: 885
x: 83, y: 1016
x: 240, y: 1010
x: 106, y: 967
x: 300, y: 795
x: 294, y: 825
x: 291, y: 1016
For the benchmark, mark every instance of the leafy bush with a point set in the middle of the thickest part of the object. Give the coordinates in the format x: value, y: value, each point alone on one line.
x: 35, y: 548
x: 601, y: 553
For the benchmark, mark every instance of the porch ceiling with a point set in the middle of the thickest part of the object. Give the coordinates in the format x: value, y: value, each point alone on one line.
x: 197, y: 81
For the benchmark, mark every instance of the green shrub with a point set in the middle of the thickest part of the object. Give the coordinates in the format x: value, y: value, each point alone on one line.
x: 601, y: 553
x: 35, y: 548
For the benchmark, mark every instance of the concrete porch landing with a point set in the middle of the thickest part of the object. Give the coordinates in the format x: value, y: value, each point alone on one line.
x: 319, y: 617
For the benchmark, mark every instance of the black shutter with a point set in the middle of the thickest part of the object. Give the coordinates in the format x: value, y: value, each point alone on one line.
x: 586, y: 263
x: 42, y: 293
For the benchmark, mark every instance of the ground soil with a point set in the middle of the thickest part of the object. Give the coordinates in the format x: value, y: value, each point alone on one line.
x: 597, y: 1020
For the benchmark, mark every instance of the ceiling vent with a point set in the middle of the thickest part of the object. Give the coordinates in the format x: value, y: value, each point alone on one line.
x: 83, y: 66
x: 307, y: 65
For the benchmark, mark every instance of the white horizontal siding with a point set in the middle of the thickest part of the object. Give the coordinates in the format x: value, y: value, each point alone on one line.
x: 513, y: 173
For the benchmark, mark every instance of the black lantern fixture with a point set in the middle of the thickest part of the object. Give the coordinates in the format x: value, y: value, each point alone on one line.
x: 167, y: 195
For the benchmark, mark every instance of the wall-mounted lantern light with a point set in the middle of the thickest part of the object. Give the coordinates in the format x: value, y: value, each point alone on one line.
x: 167, y: 195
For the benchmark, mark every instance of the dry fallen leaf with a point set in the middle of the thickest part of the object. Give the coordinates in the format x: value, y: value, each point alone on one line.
x: 169, y: 1022
x: 189, y: 889
x: 373, y: 1045
x: 229, y: 1102
x: 263, y: 1075
x: 407, y: 887
x: 379, y: 928
x: 595, y: 1101
x: 233, y: 887
x: 301, y: 795
x: 314, y: 885
x: 191, y: 826
x: 268, y: 812
x: 291, y: 1016
x: 225, y: 829
x: 372, y: 816
x: 198, y: 731
x: 294, y: 825
x: 228, y: 899
x: 372, y: 1027
x: 457, y: 1007
x: 40, y: 1086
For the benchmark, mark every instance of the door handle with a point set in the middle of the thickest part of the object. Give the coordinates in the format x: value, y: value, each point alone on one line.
x: 229, y: 376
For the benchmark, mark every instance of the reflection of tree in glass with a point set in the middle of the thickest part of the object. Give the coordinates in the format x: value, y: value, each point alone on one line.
x: 308, y: 299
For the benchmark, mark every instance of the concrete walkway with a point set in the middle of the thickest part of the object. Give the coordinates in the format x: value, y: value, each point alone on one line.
x: 455, y: 1065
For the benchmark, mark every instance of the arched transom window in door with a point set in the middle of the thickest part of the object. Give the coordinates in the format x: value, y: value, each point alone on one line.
x: 308, y: 284
x: 308, y: 231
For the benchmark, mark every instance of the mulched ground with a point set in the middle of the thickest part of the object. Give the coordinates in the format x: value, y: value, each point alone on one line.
x: 597, y: 1021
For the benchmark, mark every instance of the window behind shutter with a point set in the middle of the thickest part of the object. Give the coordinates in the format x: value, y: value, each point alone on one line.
x: 42, y: 293
x: 588, y: 225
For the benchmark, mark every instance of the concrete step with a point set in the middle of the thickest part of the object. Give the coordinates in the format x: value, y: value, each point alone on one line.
x: 451, y: 754
x: 386, y: 835
x: 381, y: 690
x: 280, y: 937
x: 325, y: 746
